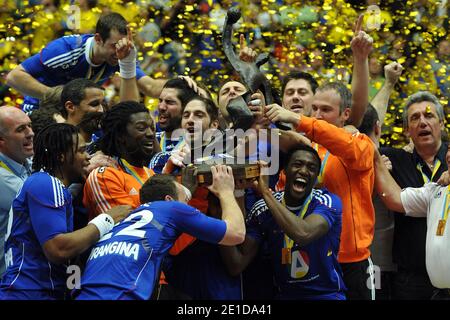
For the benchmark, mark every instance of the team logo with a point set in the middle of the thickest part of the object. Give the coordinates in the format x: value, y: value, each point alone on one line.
x: 438, y: 195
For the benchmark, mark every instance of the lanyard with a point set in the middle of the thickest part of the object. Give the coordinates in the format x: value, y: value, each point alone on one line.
x: 89, y: 73
x: 445, y: 208
x: 320, y: 177
x: 289, y: 243
x: 8, y: 167
x: 437, y: 164
x: 131, y: 171
x: 99, y: 74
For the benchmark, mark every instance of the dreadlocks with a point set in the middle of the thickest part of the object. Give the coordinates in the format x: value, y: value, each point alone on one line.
x: 51, y: 143
x: 114, y: 125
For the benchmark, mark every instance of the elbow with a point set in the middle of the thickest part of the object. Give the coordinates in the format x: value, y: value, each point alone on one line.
x: 11, y: 77
x: 57, y: 256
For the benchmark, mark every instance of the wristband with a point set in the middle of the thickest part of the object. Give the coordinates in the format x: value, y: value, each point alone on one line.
x: 127, y: 65
x: 238, y: 193
x: 104, y: 223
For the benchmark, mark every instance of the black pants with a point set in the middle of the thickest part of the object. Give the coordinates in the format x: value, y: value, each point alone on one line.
x: 411, y: 285
x: 357, y: 279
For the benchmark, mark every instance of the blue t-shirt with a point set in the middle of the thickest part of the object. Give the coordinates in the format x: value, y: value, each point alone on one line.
x: 125, y: 263
x: 63, y: 60
x: 41, y: 211
x: 314, y: 271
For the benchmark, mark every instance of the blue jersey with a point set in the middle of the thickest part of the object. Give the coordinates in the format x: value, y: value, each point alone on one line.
x: 125, y: 263
x: 41, y: 211
x: 63, y: 60
x: 314, y: 272
x: 186, y: 272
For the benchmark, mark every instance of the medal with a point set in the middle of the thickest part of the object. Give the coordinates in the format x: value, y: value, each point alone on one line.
x: 286, y: 257
x: 441, y: 227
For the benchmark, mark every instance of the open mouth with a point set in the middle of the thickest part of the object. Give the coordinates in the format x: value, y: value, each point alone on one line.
x: 299, y: 185
x: 296, y: 108
x: 163, y: 118
x: 424, y: 133
x: 28, y: 145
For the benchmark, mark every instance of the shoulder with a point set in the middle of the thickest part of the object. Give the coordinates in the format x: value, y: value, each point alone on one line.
x: 328, y: 199
x: 260, y: 206
x: 64, y: 50
x: 46, y: 189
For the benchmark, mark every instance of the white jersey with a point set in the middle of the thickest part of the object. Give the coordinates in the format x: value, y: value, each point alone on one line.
x: 430, y: 201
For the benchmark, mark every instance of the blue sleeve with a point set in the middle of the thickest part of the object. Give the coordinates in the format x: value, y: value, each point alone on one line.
x: 159, y: 161
x: 36, y: 64
x: 190, y: 220
x: 256, y: 219
x: 47, y: 207
x: 254, y: 229
x: 33, y: 65
x: 139, y: 72
x: 330, y: 209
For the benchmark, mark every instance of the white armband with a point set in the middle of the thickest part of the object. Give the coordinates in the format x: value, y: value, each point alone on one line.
x: 104, y: 223
x: 127, y: 65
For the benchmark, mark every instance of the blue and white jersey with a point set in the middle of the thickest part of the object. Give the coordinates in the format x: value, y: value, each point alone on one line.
x: 314, y: 272
x: 41, y: 211
x: 125, y: 263
x: 65, y: 59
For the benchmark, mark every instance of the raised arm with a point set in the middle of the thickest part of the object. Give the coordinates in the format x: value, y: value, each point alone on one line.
x: 302, y: 231
x: 361, y: 45
x: 385, y: 185
x: 223, y: 188
x: 126, y: 53
x: 380, y: 102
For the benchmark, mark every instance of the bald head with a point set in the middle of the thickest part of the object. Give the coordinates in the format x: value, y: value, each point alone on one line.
x: 16, y: 135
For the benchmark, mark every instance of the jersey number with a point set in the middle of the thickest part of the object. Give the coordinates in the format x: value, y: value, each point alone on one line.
x: 133, y: 230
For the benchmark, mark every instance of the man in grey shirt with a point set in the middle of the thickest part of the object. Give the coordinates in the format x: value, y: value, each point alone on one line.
x: 16, y: 149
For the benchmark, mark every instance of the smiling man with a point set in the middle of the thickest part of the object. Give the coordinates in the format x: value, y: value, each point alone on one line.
x: 128, y: 136
x: 298, y: 90
x: 302, y: 226
x: 40, y: 239
x: 90, y: 56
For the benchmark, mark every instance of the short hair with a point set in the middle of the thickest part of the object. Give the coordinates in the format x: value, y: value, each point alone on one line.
x: 294, y: 75
x: 157, y: 187
x: 211, y: 108
x: 184, y: 92
x: 75, y: 91
x: 51, y: 143
x: 111, y: 21
x: 421, y: 96
x: 114, y: 125
x: 369, y: 120
x: 302, y: 147
x: 343, y: 92
x: 42, y: 117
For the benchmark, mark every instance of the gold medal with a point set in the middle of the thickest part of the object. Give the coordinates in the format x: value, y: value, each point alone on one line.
x: 441, y: 227
x: 286, y: 256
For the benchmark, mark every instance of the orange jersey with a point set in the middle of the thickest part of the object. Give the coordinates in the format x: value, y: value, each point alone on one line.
x: 107, y: 187
x: 349, y: 173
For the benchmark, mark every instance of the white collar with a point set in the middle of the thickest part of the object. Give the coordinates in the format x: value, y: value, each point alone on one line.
x: 87, y: 51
